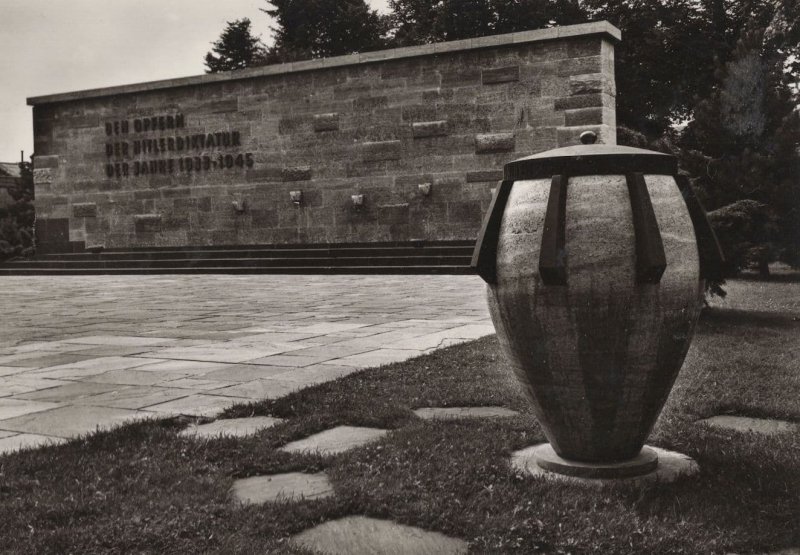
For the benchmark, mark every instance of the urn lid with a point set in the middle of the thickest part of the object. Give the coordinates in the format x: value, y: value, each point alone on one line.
x: 590, y: 159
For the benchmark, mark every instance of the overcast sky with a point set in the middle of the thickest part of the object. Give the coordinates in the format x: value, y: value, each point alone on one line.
x: 53, y: 46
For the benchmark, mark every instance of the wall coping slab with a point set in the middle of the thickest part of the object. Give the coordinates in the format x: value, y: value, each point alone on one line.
x: 604, y: 28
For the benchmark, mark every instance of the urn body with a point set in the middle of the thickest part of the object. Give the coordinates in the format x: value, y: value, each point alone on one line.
x: 594, y: 339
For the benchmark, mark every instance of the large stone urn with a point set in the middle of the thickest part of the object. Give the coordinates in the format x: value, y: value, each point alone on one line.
x: 595, y: 284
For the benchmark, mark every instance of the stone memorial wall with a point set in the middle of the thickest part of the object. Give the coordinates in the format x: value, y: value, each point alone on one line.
x: 395, y: 145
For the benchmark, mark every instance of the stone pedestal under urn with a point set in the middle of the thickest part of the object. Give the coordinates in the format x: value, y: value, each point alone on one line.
x: 595, y: 258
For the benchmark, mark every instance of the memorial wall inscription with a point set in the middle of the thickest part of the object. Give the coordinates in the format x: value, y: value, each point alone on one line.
x: 141, y: 154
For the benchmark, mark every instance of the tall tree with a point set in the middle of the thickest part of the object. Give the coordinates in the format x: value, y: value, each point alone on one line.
x: 522, y: 15
x: 425, y: 21
x: 743, y: 146
x: 17, y: 219
x: 236, y: 48
x: 662, y: 63
x: 308, y: 29
x: 671, y: 48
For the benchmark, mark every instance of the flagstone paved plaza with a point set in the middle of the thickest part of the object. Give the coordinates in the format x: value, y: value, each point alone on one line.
x: 78, y: 353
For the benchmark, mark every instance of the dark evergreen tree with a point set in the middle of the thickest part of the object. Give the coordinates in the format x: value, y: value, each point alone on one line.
x: 308, y: 29
x: 522, y: 15
x: 236, y: 48
x: 742, y: 145
x: 671, y: 48
x: 663, y: 62
x: 424, y: 21
x: 17, y: 219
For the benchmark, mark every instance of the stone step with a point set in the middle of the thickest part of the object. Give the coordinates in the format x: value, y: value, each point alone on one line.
x: 355, y: 252
x: 380, y: 258
x: 249, y: 262
x: 13, y: 270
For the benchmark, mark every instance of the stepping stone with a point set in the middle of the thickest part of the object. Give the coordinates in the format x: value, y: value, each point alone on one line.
x: 335, y: 441
x: 452, y: 413
x: 279, y: 487
x: 359, y: 535
x: 232, y: 427
x: 745, y: 424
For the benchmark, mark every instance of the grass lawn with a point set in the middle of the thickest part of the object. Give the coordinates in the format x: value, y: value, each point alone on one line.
x: 141, y: 488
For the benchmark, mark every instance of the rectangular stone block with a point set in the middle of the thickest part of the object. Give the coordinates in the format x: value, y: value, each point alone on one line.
x: 220, y: 106
x: 484, y: 175
x: 147, y: 194
x: 500, y: 75
x: 494, y: 142
x: 174, y: 192
x: 429, y: 129
x: 147, y: 223
x: 97, y: 225
x: 326, y: 122
x: 461, y: 77
x: 296, y: 173
x: 42, y: 176
x: 368, y: 103
x: 42, y: 162
x: 294, y: 124
x: 419, y: 112
x: 578, y: 101
x: 591, y: 83
x: 381, y: 150
x: 393, y: 213
x: 84, y: 210
x: 579, y: 66
x: 581, y: 47
x: 174, y: 222
x: 264, y: 173
x: 583, y: 116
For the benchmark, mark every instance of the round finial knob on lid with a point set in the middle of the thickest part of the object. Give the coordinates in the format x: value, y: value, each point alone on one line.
x: 588, y: 137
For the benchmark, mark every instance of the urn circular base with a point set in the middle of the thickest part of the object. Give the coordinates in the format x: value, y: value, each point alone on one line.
x: 643, y: 463
x: 652, y: 464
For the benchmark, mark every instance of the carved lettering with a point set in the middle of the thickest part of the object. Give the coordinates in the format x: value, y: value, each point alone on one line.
x: 157, y: 146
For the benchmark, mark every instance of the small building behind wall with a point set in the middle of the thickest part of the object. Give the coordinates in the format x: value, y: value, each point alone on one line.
x: 396, y: 145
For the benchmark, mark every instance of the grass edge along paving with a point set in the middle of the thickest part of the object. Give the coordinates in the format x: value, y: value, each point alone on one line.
x: 142, y: 488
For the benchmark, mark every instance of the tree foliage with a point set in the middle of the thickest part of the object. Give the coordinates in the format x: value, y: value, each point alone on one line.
x: 713, y: 82
x: 17, y: 219
x: 308, y: 29
x: 746, y: 230
x: 742, y: 145
x: 424, y: 21
x: 236, y: 48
